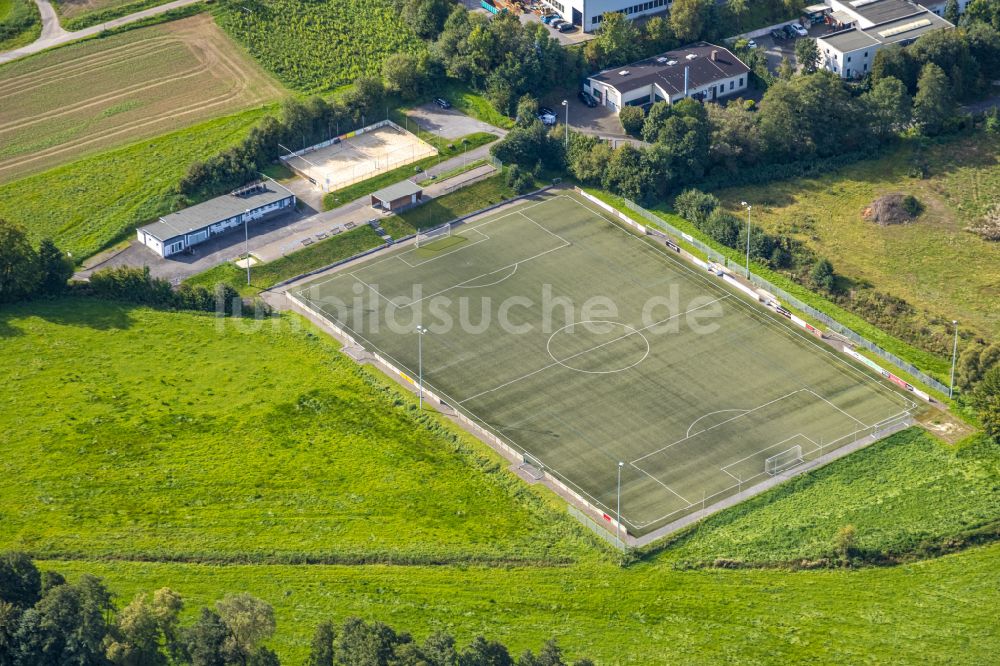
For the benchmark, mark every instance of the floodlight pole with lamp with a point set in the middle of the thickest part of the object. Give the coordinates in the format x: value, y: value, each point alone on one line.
x: 420, y: 363
x: 618, y: 507
x: 246, y: 241
x: 566, y: 104
x: 748, y: 207
x: 954, y: 357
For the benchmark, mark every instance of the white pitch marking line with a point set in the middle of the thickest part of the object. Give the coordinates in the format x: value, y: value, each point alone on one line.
x: 703, y: 416
x: 587, y: 351
x: 862, y: 423
x: 662, y: 484
x: 721, y: 423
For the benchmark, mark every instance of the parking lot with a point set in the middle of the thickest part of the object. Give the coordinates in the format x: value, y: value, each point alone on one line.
x: 785, y: 48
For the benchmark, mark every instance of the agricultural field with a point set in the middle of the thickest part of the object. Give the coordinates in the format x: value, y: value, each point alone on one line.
x: 91, y: 203
x: 20, y: 23
x: 78, y: 14
x: 102, y: 93
x: 318, y: 46
x: 335, y: 468
x: 932, y: 263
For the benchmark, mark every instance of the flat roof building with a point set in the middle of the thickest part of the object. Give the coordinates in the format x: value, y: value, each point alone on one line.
x: 588, y: 14
x: 700, y: 71
x: 397, y: 196
x: 873, y: 24
x: 178, y: 231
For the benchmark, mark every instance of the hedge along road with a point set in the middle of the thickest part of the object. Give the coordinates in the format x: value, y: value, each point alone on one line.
x: 53, y: 34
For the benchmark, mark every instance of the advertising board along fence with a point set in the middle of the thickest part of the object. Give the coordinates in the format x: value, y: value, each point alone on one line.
x: 833, y: 324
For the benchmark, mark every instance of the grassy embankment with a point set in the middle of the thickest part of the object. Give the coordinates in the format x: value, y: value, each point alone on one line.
x: 349, y: 243
x: 935, y: 265
x: 91, y: 203
x: 138, y: 435
x: 20, y: 23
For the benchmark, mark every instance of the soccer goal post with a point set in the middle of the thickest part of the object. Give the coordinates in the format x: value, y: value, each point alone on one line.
x: 785, y: 460
x: 425, y: 237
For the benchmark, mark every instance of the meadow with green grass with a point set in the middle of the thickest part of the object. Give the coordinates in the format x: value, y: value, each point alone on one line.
x: 266, y: 275
x: 937, y: 611
x: 221, y: 455
x: 186, y: 437
x: 933, y: 263
x: 908, y: 496
x: 20, y: 23
x: 91, y: 203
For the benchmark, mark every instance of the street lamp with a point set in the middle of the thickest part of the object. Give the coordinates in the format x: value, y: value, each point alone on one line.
x: 465, y: 150
x: 954, y: 356
x: 246, y: 242
x: 420, y: 362
x: 748, y: 207
x: 566, y: 104
x: 618, y: 508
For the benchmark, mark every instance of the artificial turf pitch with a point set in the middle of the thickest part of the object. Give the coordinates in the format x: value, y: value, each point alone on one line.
x: 582, y: 345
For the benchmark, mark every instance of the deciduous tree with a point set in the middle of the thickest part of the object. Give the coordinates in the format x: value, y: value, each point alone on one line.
x: 933, y: 105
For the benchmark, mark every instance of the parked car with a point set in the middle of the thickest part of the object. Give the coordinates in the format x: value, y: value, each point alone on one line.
x: 751, y: 44
x: 443, y: 103
x: 555, y: 23
x: 567, y: 27
x: 777, y: 35
x: 790, y: 31
x: 799, y: 30
x: 547, y: 118
x: 545, y: 111
x: 587, y: 99
x: 546, y: 19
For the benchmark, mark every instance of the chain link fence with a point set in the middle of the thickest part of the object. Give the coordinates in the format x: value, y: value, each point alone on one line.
x: 829, y: 321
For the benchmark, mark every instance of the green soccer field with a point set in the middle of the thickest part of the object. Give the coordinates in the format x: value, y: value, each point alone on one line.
x: 582, y: 345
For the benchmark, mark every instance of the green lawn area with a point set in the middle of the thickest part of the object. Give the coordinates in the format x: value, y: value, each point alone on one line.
x: 945, y: 272
x: 446, y: 151
x: 941, y: 611
x: 144, y: 435
x: 317, y: 255
x: 455, y: 204
x: 91, y: 203
x: 473, y: 104
x: 184, y: 437
x: 20, y: 23
x: 899, y: 493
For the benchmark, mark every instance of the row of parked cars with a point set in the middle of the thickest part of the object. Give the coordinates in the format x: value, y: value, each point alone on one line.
x: 790, y: 31
x: 557, y: 22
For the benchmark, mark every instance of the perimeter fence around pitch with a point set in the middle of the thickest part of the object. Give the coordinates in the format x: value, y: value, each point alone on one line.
x: 835, y: 326
x: 508, y: 450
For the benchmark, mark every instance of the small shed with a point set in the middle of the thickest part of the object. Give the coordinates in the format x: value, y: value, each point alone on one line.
x: 400, y: 195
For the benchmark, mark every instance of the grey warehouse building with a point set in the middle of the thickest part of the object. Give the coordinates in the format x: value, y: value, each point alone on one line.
x: 178, y: 231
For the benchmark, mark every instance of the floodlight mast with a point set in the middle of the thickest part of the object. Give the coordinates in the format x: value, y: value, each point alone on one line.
x: 618, y: 507
x: 954, y: 357
x: 748, y: 207
x: 420, y: 363
x: 246, y: 241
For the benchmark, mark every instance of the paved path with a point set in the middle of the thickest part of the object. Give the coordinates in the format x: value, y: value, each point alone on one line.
x: 54, y: 35
x: 274, y: 238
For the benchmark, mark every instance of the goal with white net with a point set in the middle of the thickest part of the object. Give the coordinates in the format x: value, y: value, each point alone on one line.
x: 425, y: 237
x: 785, y: 460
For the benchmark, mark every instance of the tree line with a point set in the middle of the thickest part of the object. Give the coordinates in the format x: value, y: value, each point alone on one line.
x: 27, y: 273
x: 47, y: 621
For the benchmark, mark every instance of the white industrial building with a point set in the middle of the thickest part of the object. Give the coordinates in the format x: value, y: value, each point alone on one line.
x: 868, y: 26
x: 700, y: 71
x: 588, y: 13
x: 178, y: 231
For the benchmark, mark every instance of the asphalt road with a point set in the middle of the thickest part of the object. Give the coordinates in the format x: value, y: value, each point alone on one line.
x: 54, y: 35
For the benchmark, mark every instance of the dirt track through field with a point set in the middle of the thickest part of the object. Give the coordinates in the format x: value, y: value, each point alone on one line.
x: 168, y: 101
